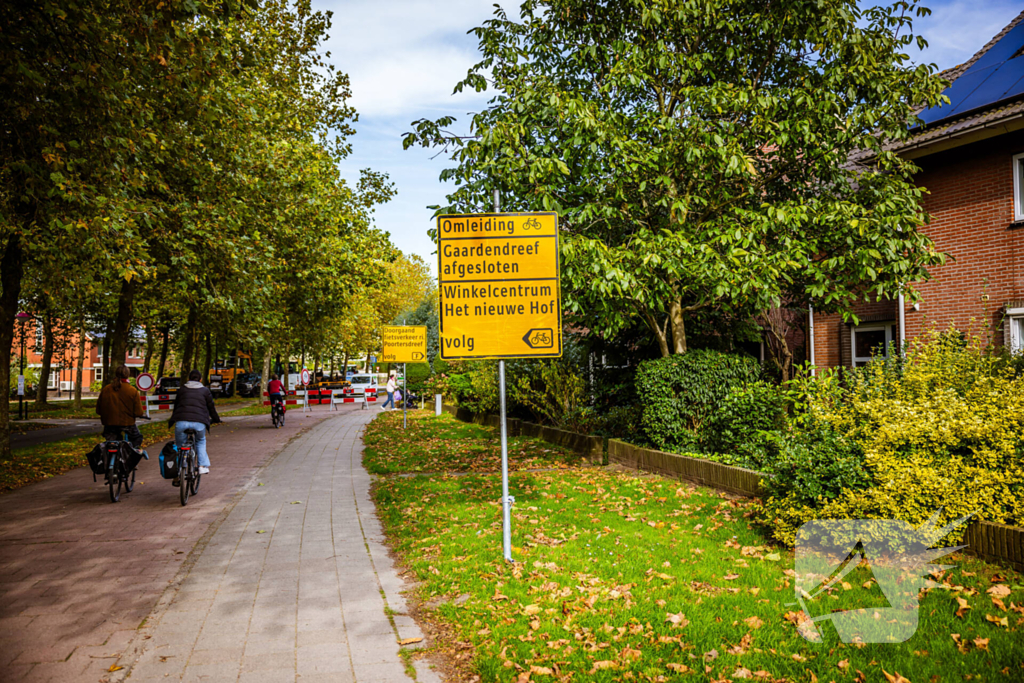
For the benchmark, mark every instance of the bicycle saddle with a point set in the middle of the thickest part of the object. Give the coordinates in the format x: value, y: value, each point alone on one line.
x: 191, y: 432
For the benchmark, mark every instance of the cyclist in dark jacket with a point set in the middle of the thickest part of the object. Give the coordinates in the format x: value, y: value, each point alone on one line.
x: 194, y: 409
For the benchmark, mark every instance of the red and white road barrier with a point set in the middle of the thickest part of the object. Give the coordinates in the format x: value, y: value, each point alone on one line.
x: 289, y: 401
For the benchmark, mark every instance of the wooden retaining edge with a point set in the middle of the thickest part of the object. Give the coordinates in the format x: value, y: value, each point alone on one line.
x: 736, y: 480
x: 990, y: 541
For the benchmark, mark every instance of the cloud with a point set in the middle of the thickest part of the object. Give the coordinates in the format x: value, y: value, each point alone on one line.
x: 407, y: 55
x: 956, y: 30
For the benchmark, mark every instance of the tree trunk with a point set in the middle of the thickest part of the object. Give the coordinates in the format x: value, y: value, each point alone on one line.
x: 44, y: 371
x: 80, y: 363
x: 106, y: 352
x: 10, y: 291
x: 123, y: 324
x: 188, y: 344
x: 344, y: 367
x: 265, y: 377
x: 166, y: 332
x: 678, y: 323
x: 206, y: 360
x: 150, y: 343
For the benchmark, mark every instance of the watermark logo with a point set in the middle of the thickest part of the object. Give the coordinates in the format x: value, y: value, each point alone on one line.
x: 880, y: 565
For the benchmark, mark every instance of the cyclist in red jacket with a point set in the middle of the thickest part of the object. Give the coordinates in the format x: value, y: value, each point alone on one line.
x: 275, y: 390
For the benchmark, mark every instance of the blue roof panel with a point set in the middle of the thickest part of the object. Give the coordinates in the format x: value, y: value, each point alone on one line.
x: 996, y: 76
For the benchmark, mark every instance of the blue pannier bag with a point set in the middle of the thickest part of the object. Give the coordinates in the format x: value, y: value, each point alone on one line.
x: 169, y: 460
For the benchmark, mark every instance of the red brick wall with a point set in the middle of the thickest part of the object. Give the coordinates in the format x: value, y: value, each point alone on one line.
x: 970, y: 201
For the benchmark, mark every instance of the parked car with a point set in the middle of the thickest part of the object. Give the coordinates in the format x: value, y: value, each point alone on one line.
x: 249, y: 384
x: 167, y: 385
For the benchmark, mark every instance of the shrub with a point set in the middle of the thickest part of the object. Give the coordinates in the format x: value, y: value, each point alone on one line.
x: 475, y: 387
x: 620, y: 422
x: 679, y: 393
x: 553, y: 393
x: 745, y: 423
x: 946, y: 430
x: 416, y: 375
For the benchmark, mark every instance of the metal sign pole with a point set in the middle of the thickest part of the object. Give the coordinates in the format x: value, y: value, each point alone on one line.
x: 405, y: 397
x: 506, y: 500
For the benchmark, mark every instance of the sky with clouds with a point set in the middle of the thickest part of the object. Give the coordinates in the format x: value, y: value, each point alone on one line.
x: 404, y: 58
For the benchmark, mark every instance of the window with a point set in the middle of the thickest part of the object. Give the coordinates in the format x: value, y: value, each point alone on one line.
x: 872, y: 339
x: 1015, y: 330
x: 1018, y: 187
x: 98, y: 377
x: 54, y: 379
x: 39, y: 337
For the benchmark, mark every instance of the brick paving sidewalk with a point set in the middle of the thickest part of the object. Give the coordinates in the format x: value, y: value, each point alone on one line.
x: 79, y: 574
x: 295, y: 584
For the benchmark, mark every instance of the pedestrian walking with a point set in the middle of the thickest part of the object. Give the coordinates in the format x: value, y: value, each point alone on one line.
x: 392, y: 385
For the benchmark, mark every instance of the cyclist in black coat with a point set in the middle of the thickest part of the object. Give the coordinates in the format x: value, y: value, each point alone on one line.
x: 194, y: 409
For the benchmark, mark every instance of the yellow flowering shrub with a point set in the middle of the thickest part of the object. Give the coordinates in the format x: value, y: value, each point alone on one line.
x: 942, y: 429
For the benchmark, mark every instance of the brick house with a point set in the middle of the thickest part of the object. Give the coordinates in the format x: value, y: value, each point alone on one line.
x: 64, y: 363
x: 971, y: 155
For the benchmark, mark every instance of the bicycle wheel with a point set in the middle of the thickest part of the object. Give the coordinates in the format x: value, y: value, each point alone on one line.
x: 195, y: 471
x: 185, y: 476
x: 281, y: 419
x: 114, y: 481
x: 273, y: 416
x: 129, y: 481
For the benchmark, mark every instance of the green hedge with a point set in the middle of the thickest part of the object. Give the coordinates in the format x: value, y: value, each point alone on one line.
x: 679, y: 393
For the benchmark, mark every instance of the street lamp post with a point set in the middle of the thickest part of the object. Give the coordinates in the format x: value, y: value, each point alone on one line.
x: 22, y: 316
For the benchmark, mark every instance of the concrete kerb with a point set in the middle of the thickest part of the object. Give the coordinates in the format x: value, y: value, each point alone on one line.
x: 135, y: 647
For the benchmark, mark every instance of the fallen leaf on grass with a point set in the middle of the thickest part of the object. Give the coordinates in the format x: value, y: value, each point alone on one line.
x: 799, y: 658
x: 678, y: 620
x: 530, y: 610
x: 964, y: 606
x: 1001, y: 621
x: 630, y: 653
x: 843, y: 664
x: 731, y: 577
x: 604, y: 664
x: 894, y: 678
x: 773, y: 557
x: 981, y: 643
x: 740, y: 672
x: 753, y: 622
x: 710, y: 655
x: 999, y: 591
x: 542, y: 671
x: 677, y: 667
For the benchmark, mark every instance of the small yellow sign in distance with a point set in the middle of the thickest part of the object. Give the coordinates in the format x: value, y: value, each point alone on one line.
x: 499, y: 279
x: 403, y: 344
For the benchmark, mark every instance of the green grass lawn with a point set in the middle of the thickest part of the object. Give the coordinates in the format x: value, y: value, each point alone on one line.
x: 626, y: 577
x: 56, y: 409
x: 35, y: 463
x: 443, y: 444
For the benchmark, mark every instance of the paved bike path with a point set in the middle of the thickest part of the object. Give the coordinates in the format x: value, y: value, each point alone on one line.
x: 294, y: 585
x: 78, y: 574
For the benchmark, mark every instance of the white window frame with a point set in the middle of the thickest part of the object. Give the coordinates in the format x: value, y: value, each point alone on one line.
x: 40, y: 337
x: 870, y: 327
x: 97, y: 374
x: 1012, y: 337
x: 53, y: 380
x: 1018, y: 186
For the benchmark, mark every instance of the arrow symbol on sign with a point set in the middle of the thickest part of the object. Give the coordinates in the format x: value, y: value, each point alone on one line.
x: 540, y: 338
x: 416, y: 355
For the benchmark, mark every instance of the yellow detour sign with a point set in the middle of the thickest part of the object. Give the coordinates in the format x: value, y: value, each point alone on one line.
x: 404, y: 344
x: 500, y: 293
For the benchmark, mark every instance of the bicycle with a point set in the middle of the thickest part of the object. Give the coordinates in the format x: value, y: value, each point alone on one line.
x: 120, y: 469
x: 188, y: 467
x: 277, y: 412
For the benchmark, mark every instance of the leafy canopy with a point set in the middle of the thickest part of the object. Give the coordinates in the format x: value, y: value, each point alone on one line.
x: 697, y: 151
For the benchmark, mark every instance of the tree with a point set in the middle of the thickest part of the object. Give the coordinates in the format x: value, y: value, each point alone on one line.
x: 697, y: 152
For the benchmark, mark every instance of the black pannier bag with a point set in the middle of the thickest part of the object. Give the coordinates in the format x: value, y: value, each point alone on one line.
x: 97, y: 463
x: 169, y: 461
x: 132, y: 457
